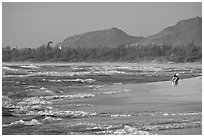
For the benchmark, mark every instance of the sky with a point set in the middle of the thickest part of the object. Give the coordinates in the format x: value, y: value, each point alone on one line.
x: 32, y: 24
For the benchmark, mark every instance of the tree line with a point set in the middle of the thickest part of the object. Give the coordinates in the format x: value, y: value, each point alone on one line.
x: 123, y: 53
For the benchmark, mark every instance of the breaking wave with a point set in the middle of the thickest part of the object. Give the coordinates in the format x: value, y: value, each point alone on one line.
x: 105, y: 129
x: 72, y: 80
x: 29, y: 66
x: 8, y: 68
x: 22, y: 122
x: 34, y: 122
x: 172, y: 125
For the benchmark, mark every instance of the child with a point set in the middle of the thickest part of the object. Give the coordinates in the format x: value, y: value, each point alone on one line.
x: 175, y: 79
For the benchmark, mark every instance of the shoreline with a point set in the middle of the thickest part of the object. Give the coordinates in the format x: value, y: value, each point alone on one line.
x: 153, y: 64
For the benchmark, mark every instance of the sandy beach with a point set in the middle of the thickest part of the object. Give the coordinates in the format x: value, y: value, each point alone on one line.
x: 187, y: 96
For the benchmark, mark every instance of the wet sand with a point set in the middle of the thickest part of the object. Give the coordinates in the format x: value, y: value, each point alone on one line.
x: 156, y: 96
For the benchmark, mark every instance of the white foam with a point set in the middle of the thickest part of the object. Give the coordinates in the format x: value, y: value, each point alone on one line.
x: 51, y: 119
x: 33, y: 122
x: 22, y: 122
x: 61, y: 113
x: 18, y: 76
x: 56, y: 73
x: 120, y: 115
x: 39, y: 91
x: 80, y: 105
x: 29, y: 66
x: 75, y: 96
x: 127, y: 130
x: 118, y: 83
x: 80, y: 80
x: 8, y: 68
x: 181, y: 114
x: 33, y: 100
x: 176, y: 125
x: 7, y: 102
x: 53, y: 80
x: 110, y: 129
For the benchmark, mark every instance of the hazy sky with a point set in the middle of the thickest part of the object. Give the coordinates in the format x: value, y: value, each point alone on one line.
x: 31, y: 24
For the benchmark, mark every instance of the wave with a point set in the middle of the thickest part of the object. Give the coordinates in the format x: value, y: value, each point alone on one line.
x: 132, y: 129
x: 166, y: 113
x: 181, y: 114
x: 56, y: 73
x: 71, y: 80
x: 150, y: 114
x: 100, y: 70
x: 74, y: 96
x: 33, y: 88
x: 65, y: 114
x: 11, y: 72
x: 34, y: 101
x: 105, y: 129
x: 127, y: 130
x: 7, y: 102
x: 80, y: 80
x: 172, y: 125
x: 18, y: 76
x: 29, y: 66
x: 39, y: 104
x: 53, y: 115
x: 78, y: 73
x: 39, y: 111
x: 38, y: 91
x: 112, y: 115
x: 101, y: 91
x: 8, y: 68
x: 33, y: 122
x: 84, y: 95
x: 83, y: 128
x: 20, y: 107
x: 22, y: 122
x: 79, y: 105
x: 111, y: 92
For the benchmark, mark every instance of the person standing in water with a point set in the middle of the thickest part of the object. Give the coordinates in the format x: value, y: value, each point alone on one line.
x: 175, y: 79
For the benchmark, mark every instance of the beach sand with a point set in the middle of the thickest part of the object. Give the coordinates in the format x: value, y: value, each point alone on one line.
x: 156, y: 96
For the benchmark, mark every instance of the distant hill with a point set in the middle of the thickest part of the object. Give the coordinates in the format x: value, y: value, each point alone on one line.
x: 183, y: 33
x: 106, y: 38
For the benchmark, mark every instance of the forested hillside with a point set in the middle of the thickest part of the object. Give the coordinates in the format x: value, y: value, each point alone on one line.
x: 188, y: 53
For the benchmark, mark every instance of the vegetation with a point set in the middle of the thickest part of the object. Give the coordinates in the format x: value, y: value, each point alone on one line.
x: 124, y: 53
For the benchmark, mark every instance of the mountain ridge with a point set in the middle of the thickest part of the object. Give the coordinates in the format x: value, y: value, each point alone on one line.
x: 108, y: 37
x: 183, y: 32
